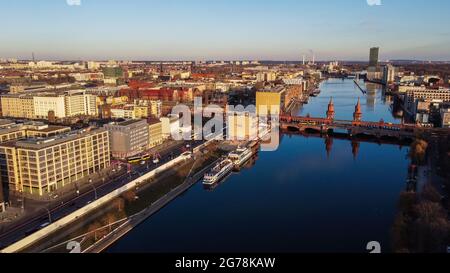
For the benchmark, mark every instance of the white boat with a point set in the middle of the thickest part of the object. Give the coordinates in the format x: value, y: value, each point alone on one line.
x: 218, y: 172
x: 240, y: 156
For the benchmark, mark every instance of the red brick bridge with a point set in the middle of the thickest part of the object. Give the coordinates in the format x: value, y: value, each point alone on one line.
x: 353, y: 128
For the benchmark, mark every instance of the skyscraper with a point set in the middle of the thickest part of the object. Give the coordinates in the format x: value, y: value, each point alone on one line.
x: 374, y: 53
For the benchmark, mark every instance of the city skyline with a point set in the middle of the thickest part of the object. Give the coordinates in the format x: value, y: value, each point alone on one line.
x: 225, y: 30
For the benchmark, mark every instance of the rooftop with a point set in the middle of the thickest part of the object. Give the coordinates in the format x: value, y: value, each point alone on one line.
x: 273, y: 89
x: 126, y: 123
x: 42, y: 143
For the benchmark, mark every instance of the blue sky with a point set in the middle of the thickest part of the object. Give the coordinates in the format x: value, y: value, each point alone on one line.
x: 225, y: 29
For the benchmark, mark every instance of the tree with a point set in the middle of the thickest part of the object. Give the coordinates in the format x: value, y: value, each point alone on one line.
x: 431, y: 194
x: 418, y: 151
x: 129, y: 196
x: 431, y: 229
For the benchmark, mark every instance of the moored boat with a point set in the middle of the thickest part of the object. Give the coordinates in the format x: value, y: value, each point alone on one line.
x: 218, y: 172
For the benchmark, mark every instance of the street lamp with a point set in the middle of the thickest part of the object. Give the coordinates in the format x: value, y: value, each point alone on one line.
x: 95, y: 189
x: 49, y: 215
x: 22, y: 195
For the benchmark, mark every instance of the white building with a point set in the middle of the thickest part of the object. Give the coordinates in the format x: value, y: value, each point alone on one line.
x: 156, y: 108
x: 266, y: 76
x: 388, y: 74
x: 93, y: 65
x: 170, y: 126
x: 69, y: 104
x: 123, y: 113
x: 44, y: 104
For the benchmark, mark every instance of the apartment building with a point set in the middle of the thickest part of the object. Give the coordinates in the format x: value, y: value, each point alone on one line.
x: 141, y: 112
x: 41, y: 166
x: 156, y: 108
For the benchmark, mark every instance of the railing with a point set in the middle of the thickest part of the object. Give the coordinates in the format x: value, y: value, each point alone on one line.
x: 346, y: 123
x: 45, y: 232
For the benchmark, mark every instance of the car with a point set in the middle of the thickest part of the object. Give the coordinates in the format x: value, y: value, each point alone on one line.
x: 143, y: 162
x: 44, y: 225
x: 156, y: 160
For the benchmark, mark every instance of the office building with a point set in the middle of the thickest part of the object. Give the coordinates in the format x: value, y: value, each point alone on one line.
x: 170, y: 126
x: 155, y: 133
x: 30, y: 130
x: 242, y: 125
x: 128, y: 138
x: 414, y: 95
x: 388, y: 74
x: 79, y: 103
x: 18, y: 106
x: 273, y: 99
x: 42, y: 166
x: 39, y: 105
x: 44, y: 104
x: 113, y: 72
x: 374, y: 55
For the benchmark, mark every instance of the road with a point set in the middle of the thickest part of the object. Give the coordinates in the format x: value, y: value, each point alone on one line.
x: 111, y: 238
x: 19, y: 232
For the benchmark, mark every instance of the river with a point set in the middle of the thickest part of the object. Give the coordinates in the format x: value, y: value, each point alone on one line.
x: 311, y: 195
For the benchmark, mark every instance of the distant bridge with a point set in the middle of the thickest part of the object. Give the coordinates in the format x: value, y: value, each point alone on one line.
x: 356, y: 127
x: 352, y: 128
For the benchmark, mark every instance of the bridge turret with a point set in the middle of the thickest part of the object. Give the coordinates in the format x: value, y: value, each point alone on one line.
x: 330, y: 112
x: 357, y: 115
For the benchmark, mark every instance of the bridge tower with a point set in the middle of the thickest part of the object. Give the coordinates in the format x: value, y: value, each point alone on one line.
x: 330, y: 112
x: 357, y: 115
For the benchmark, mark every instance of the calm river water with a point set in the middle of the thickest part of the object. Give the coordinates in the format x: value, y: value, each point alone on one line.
x: 301, y: 198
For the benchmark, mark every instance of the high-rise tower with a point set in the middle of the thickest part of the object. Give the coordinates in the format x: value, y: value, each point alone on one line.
x: 374, y: 55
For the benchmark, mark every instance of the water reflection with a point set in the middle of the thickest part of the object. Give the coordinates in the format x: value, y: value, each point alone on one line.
x: 314, y: 194
x: 345, y: 94
x: 371, y: 98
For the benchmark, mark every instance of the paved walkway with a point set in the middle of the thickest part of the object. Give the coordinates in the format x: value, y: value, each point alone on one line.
x: 134, y: 221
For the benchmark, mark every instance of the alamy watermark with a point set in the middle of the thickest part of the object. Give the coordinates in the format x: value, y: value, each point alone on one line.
x: 374, y: 2
x: 235, y: 123
x: 73, y: 2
